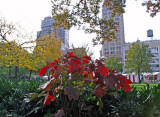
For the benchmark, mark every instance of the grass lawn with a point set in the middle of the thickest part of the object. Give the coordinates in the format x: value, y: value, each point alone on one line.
x: 142, y: 86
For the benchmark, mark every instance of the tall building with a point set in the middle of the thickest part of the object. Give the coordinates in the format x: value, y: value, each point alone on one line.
x: 154, y: 46
x: 47, y: 28
x: 112, y: 48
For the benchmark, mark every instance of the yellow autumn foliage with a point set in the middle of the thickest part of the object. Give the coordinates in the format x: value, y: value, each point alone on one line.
x: 12, y: 54
x: 48, y: 49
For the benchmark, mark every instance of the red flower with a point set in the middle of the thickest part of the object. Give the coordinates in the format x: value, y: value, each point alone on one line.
x: 44, y: 70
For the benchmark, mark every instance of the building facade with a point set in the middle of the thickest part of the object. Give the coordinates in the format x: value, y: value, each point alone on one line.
x: 114, y: 48
x: 47, y: 28
x: 154, y: 46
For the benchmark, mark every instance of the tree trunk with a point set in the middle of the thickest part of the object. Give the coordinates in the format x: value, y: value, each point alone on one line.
x: 30, y: 74
x: 16, y: 71
x: 9, y: 72
x: 139, y: 76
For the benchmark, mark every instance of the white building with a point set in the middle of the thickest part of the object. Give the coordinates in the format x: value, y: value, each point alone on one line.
x: 154, y: 46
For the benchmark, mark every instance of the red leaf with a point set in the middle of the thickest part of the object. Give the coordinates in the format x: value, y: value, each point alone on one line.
x: 70, y: 55
x: 72, y: 67
x: 56, y: 71
x: 53, y: 63
x: 85, y: 61
x: 44, y: 70
x: 91, y: 67
x: 99, y: 91
x: 101, y: 68
x: 72, y: 92
x: 80, y: 69
x: 99, y: 79
x: 48, y: 99
x: 123, y: 83
x: 87, y: 57
x: 49, y: 86
x: 110, y: 81
x: 76, y: 61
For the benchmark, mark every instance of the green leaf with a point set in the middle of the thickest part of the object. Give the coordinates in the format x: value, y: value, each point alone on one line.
x: 33, y: 96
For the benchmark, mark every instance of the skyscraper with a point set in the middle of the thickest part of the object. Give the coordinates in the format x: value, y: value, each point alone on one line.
x: 47, y: 28
x: 112, y: 48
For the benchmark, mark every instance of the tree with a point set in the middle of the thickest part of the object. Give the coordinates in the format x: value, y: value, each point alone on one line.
x: 153, y: 7
x: 68, y: 14
x: 113, y: 64
x: 138, y: 59
x: 12, y: 55
x: 12, y: 50
x: 81, y: 51
x: 48, y: 48
x: 85, y: 14
x: 6, y: 29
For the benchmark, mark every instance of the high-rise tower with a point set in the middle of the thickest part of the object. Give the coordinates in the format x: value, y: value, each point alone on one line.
x: 113, y: 48
x: 47, y: 28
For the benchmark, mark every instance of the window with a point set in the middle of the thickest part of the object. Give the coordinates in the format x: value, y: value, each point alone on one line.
x: 112, y: 52
x: 112, y: 48
x: 117, y: 52
x: 118, y: 43
x: 116, y: 19
x: 118, y: 35
x: 107, y: 48
x: 106, y: 52
x: 116, y: 15
x: 154, y: 54
x: 118, y: 39
x: 112, y: 44
x: 110, y: 13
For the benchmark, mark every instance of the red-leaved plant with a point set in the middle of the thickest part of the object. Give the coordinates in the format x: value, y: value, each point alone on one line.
x: 70, y: 65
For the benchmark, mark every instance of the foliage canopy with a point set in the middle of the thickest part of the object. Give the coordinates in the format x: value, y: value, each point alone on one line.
x: 114, y: 64
x: 85, y: 14
x: 138, y: 58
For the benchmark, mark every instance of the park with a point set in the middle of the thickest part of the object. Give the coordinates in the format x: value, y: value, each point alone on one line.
x: 44, y: 76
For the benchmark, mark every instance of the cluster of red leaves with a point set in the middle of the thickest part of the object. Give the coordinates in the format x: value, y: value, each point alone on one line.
x: 48, y: 98
x: 92, y: 72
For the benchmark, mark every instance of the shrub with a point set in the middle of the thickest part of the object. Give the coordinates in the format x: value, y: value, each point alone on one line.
x: 12, y: 95
x: 78, y: 87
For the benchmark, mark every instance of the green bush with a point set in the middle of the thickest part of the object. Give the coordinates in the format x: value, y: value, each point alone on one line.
x: 141, y: 103
x: 12, y: 95
x: 144, y: 102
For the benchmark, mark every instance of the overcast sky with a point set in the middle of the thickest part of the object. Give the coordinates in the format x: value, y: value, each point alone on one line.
x: 29, y: 13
